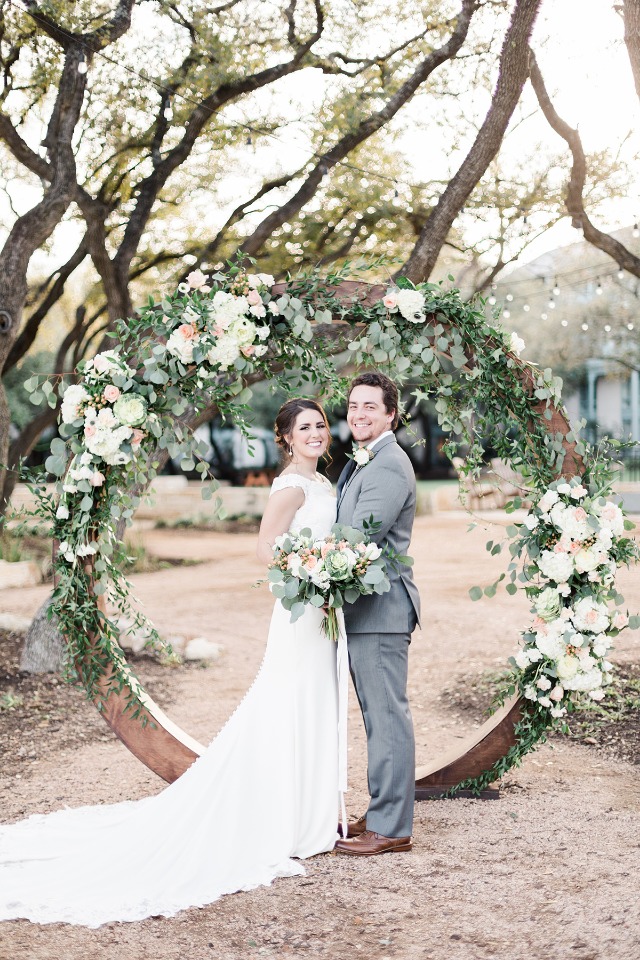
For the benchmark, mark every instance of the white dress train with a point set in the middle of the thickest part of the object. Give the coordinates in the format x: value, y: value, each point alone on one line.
x: 265, y: 791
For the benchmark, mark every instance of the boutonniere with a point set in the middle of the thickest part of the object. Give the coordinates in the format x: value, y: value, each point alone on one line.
x: 362, y: 455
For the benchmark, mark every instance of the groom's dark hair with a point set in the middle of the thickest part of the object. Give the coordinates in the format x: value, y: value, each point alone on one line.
x: 389, y: 392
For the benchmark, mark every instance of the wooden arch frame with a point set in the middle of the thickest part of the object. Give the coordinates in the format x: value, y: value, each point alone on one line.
x: 168, y: 751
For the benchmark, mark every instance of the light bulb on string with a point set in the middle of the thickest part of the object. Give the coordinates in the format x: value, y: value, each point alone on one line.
x: 509, y: 297
x: 607, y: 328
x: 599, y: 288
x: 82, y: 66
x: 556, y: 289
x: 565, y: 323
x: 544, y: 316
x: 584, y: 326
x: 491, y: 300
x: 620, y: 274
x: 552, y: 304
x: 506, y: 314
x: 636, y: 231
x: 526, y: 308
x: 629, y: 326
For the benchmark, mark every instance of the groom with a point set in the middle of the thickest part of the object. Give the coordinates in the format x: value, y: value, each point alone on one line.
x: 379, y: 628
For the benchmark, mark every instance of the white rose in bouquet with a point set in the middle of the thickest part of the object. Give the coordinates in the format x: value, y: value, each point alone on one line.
x: 611, y: 518
x: 516, y: 344
x: 589, y: 559
x: 567, y: 667
x: 180, y: 347
x: 547, y: 501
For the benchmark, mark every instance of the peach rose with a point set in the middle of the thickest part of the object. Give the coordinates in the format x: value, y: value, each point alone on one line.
x: 390, y: 300
x: 89, y: 430
x: 580, y: 513
x: 137, y: 437
x: 187, y: 331
x: 110, y: 393
x: 620, y: 620
x: 254, y: 298
x: 97, y: 479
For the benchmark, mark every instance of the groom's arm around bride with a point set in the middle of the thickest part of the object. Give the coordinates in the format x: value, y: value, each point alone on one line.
x: 379, y: 627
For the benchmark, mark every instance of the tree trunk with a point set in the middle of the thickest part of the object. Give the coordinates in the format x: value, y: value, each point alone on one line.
x: 43, y: 650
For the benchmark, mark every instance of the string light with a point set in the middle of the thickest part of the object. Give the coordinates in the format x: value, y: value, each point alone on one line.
x: 636, y: 231
x: 556, y: 288
x: 509, y: 297
x: 620, y: 274
x: 552, y: 304
x: 629, y: 326
x: 544, y: 316
x: 565, y: 323
x: 526, y: 308
x: 506, y: 314
x: 584, y: 326
x: 599, y: 288
x: 607, y: 328
x: 82, y: 67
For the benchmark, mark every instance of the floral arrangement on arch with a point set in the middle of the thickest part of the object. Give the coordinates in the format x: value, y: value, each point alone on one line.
x: 574, y: 540
x: 209, y: 340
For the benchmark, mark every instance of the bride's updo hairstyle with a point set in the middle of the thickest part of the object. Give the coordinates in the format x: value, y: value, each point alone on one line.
x: 287, y: 416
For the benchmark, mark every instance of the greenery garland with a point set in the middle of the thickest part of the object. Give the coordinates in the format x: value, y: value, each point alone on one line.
x: 208, y: 342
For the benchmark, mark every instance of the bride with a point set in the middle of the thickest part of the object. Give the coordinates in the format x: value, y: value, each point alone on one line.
x: 265, y: 791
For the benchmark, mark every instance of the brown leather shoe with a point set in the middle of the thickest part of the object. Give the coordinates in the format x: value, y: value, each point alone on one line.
x: 368, y: 844
x: 355, y: 828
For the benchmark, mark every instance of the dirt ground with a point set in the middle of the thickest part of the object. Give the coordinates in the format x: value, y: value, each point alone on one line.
x: 550, y: 869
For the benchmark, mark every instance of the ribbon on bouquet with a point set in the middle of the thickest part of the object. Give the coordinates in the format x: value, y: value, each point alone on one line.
x: 342, y: 663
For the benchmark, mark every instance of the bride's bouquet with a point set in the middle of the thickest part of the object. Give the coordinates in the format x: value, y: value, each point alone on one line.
x: 327, y: 572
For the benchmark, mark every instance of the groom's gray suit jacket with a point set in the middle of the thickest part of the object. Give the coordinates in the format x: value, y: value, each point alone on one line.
x: 384, y: 488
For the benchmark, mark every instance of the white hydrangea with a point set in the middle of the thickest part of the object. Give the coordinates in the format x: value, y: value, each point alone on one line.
x: 555, y: 566
x: 74, y: 396
x: 225, y: 352
x: 550, y: 645
x: 591, y: 680
x: 106, y: 443
x: 411, y: 305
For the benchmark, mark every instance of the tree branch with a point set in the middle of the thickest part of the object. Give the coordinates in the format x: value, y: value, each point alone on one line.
x: 365, y: 129
x: 631, y: 16
x: 574, y: 200
x: 514, y: 68
x: 30, y: 330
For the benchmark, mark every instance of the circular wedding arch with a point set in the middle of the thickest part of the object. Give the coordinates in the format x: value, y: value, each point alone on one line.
x: 453, y: 342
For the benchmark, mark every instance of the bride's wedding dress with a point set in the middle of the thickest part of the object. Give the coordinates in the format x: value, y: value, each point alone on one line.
x: 265, y: 791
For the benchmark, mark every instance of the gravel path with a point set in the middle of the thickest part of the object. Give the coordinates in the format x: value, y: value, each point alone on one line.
x: 551, y: 869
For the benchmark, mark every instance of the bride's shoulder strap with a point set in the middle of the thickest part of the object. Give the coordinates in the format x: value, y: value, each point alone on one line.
x: 290, y: 480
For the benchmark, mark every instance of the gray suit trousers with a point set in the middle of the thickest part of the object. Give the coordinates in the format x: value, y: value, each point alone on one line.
x: 379, y: 663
